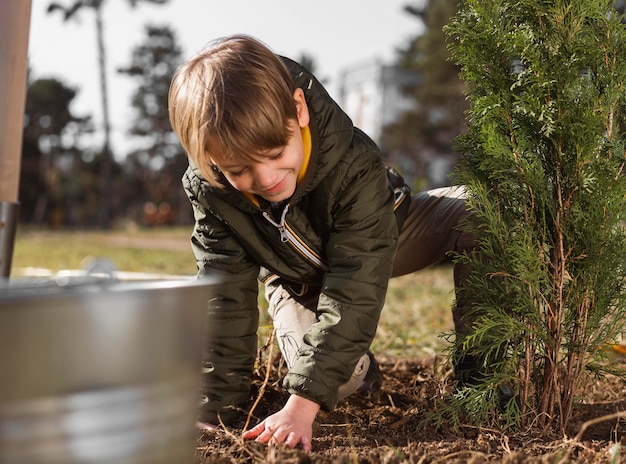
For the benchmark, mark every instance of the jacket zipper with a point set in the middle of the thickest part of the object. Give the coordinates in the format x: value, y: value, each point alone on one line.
x: 399, y: 194
x: 287, y: 235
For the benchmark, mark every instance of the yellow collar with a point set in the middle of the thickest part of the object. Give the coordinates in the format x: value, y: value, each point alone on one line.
x: 306, y: 142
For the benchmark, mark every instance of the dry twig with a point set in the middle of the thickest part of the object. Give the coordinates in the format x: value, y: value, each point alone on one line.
x: 597, y: 420
x: 268, y: 369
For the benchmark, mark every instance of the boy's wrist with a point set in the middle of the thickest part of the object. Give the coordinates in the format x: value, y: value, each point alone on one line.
x: 304, y: 406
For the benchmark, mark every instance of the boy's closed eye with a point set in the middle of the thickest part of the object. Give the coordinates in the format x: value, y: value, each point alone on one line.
x: 237, y: 171
x: 277, y: 156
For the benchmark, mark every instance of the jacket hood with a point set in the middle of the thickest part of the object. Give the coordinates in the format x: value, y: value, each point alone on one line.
x: 331, y: 128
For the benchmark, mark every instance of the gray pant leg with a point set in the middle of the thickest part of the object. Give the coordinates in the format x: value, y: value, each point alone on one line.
x: 291, y: 321
x: 429, y: 233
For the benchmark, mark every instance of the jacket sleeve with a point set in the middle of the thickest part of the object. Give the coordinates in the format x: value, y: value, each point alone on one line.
x: 360, y: 253
x: 232, y: 314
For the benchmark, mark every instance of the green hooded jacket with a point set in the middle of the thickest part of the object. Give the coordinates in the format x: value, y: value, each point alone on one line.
x: 337, y: 236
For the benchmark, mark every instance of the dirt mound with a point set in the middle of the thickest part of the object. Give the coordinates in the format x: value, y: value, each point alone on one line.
x: 388, y: 427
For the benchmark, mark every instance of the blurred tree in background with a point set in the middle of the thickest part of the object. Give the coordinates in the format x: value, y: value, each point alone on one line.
x: 160, y: 161
x: 426, y: 134
x: 60, y: 175
x: 54, y: 172
x: 107, y: 162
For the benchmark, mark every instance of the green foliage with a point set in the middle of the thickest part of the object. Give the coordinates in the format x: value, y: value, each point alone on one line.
x: 63, y: 183
x: 152, y: 65
x: 544, y: 164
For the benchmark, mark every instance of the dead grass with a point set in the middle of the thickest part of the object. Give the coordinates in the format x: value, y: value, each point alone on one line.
x: 391, y: 427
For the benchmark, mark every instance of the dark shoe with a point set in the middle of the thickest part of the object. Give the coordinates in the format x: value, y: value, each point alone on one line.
x: 467, y: 371
x: 373, y: 380
x: 468, y: 375
x: 506, y: 393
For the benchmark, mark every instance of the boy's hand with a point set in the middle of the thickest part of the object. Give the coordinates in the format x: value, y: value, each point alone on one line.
x: 291, y: 425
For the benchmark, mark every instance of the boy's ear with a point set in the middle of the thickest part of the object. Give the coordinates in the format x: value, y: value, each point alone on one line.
x: 302, y: 109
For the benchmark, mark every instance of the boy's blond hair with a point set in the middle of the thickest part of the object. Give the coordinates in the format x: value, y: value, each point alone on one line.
x: 233, y: 99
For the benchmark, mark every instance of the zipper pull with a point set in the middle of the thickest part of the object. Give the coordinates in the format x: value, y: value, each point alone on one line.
x: 282, y: 228
x: 283, y: 233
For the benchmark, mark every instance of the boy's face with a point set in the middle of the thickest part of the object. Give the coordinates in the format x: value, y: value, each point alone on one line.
x: 273, y: 173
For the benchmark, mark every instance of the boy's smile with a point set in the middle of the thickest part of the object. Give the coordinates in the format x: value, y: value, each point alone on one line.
x: 271, y: 174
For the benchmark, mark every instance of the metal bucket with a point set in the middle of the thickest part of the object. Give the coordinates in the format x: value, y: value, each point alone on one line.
x: 94, y: 372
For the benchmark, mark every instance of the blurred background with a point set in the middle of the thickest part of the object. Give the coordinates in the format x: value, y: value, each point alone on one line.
x: 98, y: 150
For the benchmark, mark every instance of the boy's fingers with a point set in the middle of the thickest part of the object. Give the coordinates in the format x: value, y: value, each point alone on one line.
x: 264, y: 434
x: 278, y: 436
x: 306, y: 443
x: 254, y: 431
x: 292, y: 440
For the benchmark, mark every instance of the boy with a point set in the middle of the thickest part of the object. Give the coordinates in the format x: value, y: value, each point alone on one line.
x: 284, y: 189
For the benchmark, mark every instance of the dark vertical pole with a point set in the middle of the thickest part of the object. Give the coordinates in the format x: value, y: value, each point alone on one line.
x: 14, y: 30
x: 107, y: 156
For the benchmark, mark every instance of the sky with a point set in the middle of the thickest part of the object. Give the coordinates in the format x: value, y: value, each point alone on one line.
x: 337, y: 34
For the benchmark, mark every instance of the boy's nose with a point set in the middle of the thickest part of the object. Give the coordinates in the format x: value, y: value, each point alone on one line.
x: 264, y: 176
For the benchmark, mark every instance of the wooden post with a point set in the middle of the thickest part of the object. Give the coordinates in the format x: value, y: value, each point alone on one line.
x: 14, y: 30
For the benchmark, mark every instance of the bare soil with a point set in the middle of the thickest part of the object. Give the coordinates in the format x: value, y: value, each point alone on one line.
x: 388, y: 427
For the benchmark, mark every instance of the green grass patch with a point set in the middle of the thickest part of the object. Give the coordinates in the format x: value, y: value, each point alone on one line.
x: 417, y: 312
x: 162, y: 251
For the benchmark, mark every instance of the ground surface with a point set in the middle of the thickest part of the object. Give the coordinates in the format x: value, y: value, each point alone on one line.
x: 387, y: 427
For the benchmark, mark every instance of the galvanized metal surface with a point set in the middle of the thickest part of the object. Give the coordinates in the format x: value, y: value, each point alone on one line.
x: 95, y: 372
